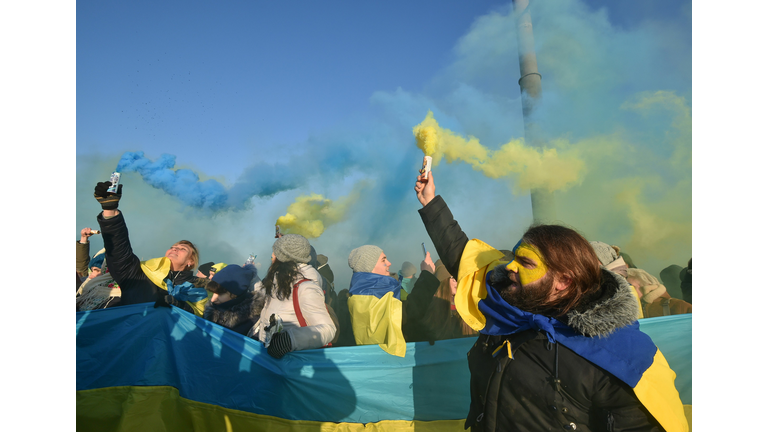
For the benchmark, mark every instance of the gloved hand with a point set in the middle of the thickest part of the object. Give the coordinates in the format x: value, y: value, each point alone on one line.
x: 107, y: 200
x: 280, y: 345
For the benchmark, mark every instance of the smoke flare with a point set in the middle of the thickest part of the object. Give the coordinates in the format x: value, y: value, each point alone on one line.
x: 546, y: 168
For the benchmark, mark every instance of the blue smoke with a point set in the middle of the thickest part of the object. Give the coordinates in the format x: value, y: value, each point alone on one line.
x: 184, y: 184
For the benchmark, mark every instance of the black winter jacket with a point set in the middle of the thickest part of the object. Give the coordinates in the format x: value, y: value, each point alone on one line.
x: 239, y: 314
x: 545, y: 386
x: 125, y: 267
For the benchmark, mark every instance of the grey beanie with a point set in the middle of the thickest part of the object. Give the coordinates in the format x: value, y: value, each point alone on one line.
x: 605, y: 253
x: 408, y: 269
x: 364, y: 258
x: 292, y: 247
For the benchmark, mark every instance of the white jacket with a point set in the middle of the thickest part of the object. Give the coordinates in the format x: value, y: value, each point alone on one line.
x: 320, y: 329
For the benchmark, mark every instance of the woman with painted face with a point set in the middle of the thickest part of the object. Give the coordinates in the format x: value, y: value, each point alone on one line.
x: 167, y: 280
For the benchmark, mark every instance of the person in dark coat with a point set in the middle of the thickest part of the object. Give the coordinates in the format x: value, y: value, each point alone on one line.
x: 559, y: 346
x: 430, y: 309
x: 670, y: 276
x: 166, y: 281
x: 234, y: 304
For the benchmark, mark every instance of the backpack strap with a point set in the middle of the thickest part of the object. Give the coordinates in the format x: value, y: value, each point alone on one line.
x: 296, y: 307
x: 665, y: 306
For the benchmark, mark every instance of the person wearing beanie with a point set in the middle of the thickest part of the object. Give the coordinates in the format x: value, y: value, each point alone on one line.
x: 233, y: 303
x: 670, y: 277
x: 611, y: 260
x: 86, y: 267
x: 407, y: 277
x: 295, y: 316
x: 654, y: 298
x: 167, y: 281
x: 204, y: 271
x: 328, y: 290
x: 375, y: 308
x: 99, y: 290
x: 324, y: 268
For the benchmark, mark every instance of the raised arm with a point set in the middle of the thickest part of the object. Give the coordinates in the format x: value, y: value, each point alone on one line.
x: 445, y: 232
x: 82, y: 252
x: 123, y: 264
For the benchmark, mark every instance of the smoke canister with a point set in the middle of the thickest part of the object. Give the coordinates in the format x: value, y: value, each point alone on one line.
x: 115, y: 180
x: 426, y: 167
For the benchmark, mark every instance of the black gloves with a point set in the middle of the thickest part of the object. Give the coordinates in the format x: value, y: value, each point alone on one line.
x: 280, y: 345
x: 107, y: 200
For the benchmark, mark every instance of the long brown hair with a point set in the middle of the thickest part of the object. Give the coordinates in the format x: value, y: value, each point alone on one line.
x: 285, y: 273
x: 440, y: 320
x: 567, y: 254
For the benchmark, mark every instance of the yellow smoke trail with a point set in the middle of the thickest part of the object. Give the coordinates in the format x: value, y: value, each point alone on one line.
x: 618, y: 190
x: 554, y: 168
x: 311, y: 214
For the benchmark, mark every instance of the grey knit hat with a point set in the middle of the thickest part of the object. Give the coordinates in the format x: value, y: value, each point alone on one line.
x: 364, y: 258
x: 605, y: 253
x: 408, y: 269
x: 292, y: 247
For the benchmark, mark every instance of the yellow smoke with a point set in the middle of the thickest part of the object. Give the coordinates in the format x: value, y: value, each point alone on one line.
x: 311, y: 214
x: 555, y: 168
x: 635, y: 198
x: 618, y: 190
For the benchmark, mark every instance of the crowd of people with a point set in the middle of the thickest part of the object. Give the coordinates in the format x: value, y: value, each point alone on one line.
x: 554, y: 288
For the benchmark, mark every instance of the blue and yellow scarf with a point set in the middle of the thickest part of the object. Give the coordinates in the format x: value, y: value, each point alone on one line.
x: 627, y: 353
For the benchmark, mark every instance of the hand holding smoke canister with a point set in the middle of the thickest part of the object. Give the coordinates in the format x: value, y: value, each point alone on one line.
x: 426, y: 167
x: 115, y: 180
x: 277, y: 231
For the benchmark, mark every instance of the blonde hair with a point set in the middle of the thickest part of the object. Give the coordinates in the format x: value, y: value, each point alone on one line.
x: 194, y: 254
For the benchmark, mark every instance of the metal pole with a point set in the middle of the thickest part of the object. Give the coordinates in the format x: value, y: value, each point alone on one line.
x: 542, y: 203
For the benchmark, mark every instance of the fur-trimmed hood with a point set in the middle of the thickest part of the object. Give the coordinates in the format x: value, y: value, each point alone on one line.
x: 613, y: 307
x: 240, y: 314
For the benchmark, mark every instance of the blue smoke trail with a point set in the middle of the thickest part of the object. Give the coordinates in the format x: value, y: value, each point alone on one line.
x: 260, y: 180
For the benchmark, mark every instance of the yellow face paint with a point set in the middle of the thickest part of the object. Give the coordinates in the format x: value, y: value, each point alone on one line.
x: 528, y: 264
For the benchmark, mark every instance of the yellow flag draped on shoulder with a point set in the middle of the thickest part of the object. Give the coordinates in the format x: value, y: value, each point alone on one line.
x: 157, y: 269
x: 378, y: 321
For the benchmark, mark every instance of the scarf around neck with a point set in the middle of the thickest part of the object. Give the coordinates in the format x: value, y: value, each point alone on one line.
x: 374, y: 285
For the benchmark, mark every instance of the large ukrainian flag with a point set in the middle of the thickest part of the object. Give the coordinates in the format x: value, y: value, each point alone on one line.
x: 147, y: 369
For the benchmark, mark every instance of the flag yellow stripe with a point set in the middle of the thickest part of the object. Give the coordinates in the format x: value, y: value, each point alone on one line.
x: 155, y: 408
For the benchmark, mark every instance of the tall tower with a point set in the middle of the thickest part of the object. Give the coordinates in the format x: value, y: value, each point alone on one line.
x: 542, y: 201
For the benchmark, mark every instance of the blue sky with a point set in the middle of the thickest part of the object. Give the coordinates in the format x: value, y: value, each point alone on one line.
x: 277, y: 85
x: 323, y: 98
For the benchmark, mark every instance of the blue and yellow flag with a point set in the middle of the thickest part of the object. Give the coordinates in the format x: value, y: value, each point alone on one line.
x: 376, y: 312
x: 157, y: 270
x: 145, y: 368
